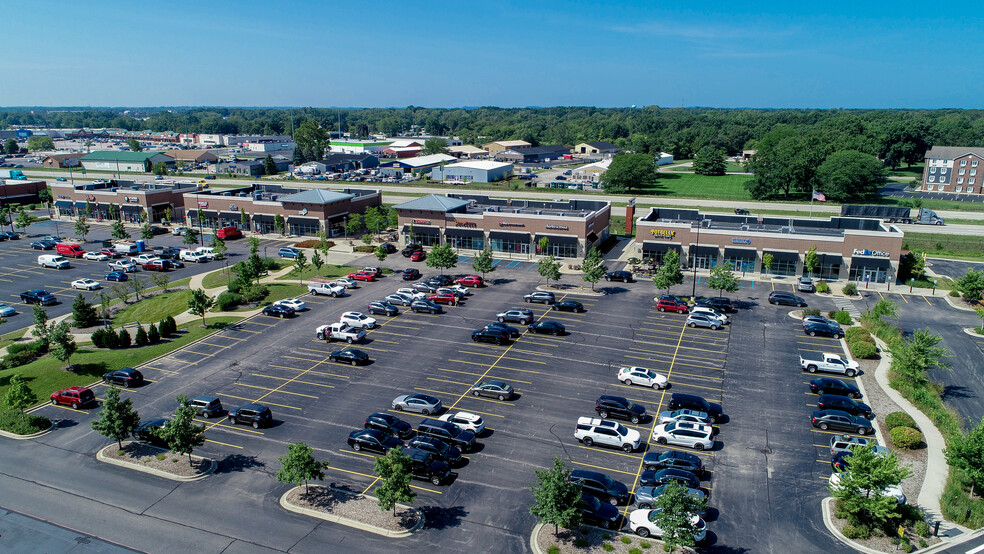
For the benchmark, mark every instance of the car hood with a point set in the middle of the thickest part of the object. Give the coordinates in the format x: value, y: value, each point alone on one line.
x: 633, y: 436
x: 638, y: 409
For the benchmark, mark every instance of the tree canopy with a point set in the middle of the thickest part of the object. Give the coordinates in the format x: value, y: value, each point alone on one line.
x: 850, y: 176
x: 629, y: 172
x: 710, y: 161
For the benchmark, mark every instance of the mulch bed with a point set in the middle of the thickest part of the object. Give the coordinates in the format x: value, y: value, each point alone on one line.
x: 146, y: 455
x: 353, y: 506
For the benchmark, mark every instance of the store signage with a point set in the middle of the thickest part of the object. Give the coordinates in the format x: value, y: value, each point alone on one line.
x: 131, y: 199
x: 234, y: 207
x: 203, y: 203
x: 302, y: 212
x: 459, y: 223
x: 741, y: 241
x: 663, y: 233
x: 558, y: 227
x: 511, y: 224
x: 91, y: 197
x: 866, y: 252
x: 422, y: 221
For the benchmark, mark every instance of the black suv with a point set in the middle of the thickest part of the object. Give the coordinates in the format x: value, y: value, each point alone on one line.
x: 829, y: 385
x: 786, y: 299
x: 410, y: 249
x: 424, y: 465
x: 694, y: 402
x: 426, y: 306
x: 438, y: 448
x: 495, y: 335
x: 411, y: 274
x: 624, y: 276
x: 389, y: 424
x: 382, y: 307
x: 843, y: 403
x: 450, y: 433
x: 147, y: 432
x: 814, y: 328
x: 127, y: 377
x: 719, y: 302
x: 616, y: 406
x: 673, y: 459
x: 601, y: 486
x: 252, y: 414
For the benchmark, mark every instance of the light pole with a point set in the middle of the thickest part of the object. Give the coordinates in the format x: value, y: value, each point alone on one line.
x: 693, y: 263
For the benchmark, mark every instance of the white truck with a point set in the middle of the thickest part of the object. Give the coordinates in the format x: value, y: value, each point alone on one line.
x: 831, y: 363
x: 126, y: 248
x: 193, y: 256
x: 122, y: 265
x: 317, y: 287
x: 143, y: 259
x: 340, y: 331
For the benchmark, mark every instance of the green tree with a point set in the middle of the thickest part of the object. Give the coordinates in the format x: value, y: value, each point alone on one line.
x: 375, y: 220
x: 300, y: 264
x: 593, y: 267
x: 118, y: 419
x: 299, y: 466
x: 190, y: 237
x: 200, y: 303
x: 395, y: 471
x: 140, y: 338
x: 63, y: 345
x: 40, y: 144
x: 913, y: 357
x: 147, y: 231
x: 83, y: 313
x: 81, y: 228
x: 181, y: 433
x: 148, y: 167
x: 811, y: 260
x: 367, y: 239
x: 134, y: 145
x: 269, y: 166
x: 119, y: 230
x: 167, y: 214
x: 11, y: 147
x: 710, y: 161
x: 278, y: 223
x: 161, y: 279
x: 542, y: 245
x: 317, y: 261
x: 722, y: 280
x: 629, y: 172
x: 219, y: 247
x: 851, y: 176
x: 41, y: 330
x: 549, y: 268
x: 24, y: 219
x: 555, y: 499
x: 676, y: 513
x: 137, y: 285
x: 483, y: 262
x: 243, y: 219
x: 966, y: 452
x: 381, y: 253
x: 44, y: 195
x: 20, y: 396
x: 435, y: 145
x: 786, y: 162
x: 971, y: 285
x: 861, y: 485
x: 354, y: 225
x: 254, y: 245
x: 669, y: 273
x: 121, y: 292
x: 442, y: 257
x: 160, y: 168
x: 310, y: 136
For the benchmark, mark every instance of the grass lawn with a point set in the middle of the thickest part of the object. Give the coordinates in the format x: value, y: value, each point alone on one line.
x: 152, y: 310
x: 689, y: 185
x: 915, y: 171
x: 219, y: 278
x: 327, y: 271
x: 966, y: 247
x: 13, y: 335
x: 279, y: 291
x: 47, y: 375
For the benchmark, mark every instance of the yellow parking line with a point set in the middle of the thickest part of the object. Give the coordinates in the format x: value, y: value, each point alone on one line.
x: 816, y: 430
x: 903, y: 297
x: 432, y: 390
x: 359, y: 453
x: 459, y: 371
x: 695, y: 376
x: 532, y: 352
x: 247, y: 331
x: 270, y: 391
x: 302, y: 382
x: 696, y: 386
x: 218, y: 423
x: 232, y: 338
x: 465, y: 362
x: 299, y: 358
x: 483, y: 399
x: 199, y: 353
x: 386, y: 341
x: 311, y: 371
x: 270, y: 403
x: 509, y: 379
x: 370, y: 485
x: 159, y: 369
x: 224, y: 444
x: 608, y: 451
x: 215, y: 345
x: 880, y: 294
x: 602, y: 468
x: 927, y: 300
x: 258, y: 323
x: 173, y: 359
x: 515, y: 369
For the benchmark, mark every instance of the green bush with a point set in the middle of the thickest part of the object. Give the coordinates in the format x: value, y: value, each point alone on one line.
x: 858, y: 334
x: 607, y: 547
x: 553, y: 549
x: 923, y: 543
x: 955, y: 293
x: 39, y: 347
x: 98, y: 338
x: 18, y: 347
x: 227, y: 301
x: 255, y: 293
x: 863, y: 350
x: 921, y: 528
x: 635, y: 551
x: 850, y: 289
x: 823, y: 287
x: 141, y: 337
x: 271, y: 264
x: 124, y: 339
x: 906, y: 438
x: 899, y: 419
x: 811, y: 311
x: 23, y: 424
x: 864, y: 532
x: 842, y: 317
x: 172, y: 327
x: 11, y: 361
x: 644, y: 544
x: 367, y: 249
x: 581, y: 542
x: 153, y: 335
x: 907, y: 547
x: 850, y: 531
x: 625, y: 540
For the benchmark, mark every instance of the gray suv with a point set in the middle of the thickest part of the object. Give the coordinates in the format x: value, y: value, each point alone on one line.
x: 207, y: 406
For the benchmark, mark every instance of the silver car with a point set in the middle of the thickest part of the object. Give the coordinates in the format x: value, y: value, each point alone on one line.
x: 685, y: 414
x: 399, y: 299
x: 703, y: 320
x: 420, y: 403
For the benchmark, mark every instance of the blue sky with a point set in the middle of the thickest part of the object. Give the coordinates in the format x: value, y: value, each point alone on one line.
x: 501, y: 53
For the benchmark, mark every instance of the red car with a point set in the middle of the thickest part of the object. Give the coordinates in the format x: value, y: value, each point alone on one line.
x: 229, y: 232
x: 156, y: 265
x: 362, y: 276
x: 111, y: 253
x: 673, y: 305
x: 418, y: 256
x: 443, y: 298
x: 469, y: 281
x: 76, y: 397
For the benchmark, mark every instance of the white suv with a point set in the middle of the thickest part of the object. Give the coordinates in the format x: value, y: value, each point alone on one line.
x: 606, y: 433
x: 358, y: 320
x: 692, y: 435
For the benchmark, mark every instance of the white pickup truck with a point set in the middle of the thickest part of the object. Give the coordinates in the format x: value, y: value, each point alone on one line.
x: 340, y: 331
x: 193, y: 256
x: 143, y: 259
x: 331, y: 289
x: 831, y: 363
x: 122, y: 265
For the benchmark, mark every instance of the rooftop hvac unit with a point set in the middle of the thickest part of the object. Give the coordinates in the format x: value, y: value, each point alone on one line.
x: 784, y: 229
x: 135, y: 187
x: 243, y: 195
x: 273, y: 197
x: 517, y: 210
x: 744, y: 227
x: 226, y: 194
x: 490, y: 209
x: 539, y: 212
x: 705, y: 223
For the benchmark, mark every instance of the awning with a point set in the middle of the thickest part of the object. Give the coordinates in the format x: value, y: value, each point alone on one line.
x: 131, y: 208
x: 652, y: 247
x: 207, y: 213
x: 509, y: 235
x: 464, y: 232
x: 230, y: 215
x: 558, y: 240
x: 830, y: 259
x: 308, y: 220
x: 739, y: 253
x: 64, y: 204
x: 870, y: 263
x: 263, y: 218
x: 424, y: 230
x: 780, y: 256
x: 704, y: 250
x: 81, y: 205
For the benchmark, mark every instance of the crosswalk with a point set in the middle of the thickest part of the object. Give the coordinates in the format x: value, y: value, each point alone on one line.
x: 845, y: 304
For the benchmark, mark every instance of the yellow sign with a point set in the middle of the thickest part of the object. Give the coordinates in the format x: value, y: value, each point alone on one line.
x: 663, y: 233
x: 901, y: 532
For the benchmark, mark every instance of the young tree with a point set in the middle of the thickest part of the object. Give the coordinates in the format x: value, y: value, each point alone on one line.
x: 140, y: 338
x: 118, y: 419
x: 971, y: 285
x: 677, y: 515
x: 549, y: 269
x: 161, y: 280
x: 44, y: 195
x: 81, y: 228
x: 592, y: 267
x: 966, y: 452
x: 555, y: 499
x: 367, y: 239
x: 119, y: 230
x: 20, y: 396
x: 254, y: 245
x: 83, y: 313
x: 435, y: 145
x: 709, y: 161
x: 160, y: 168
x: 147, y: 231
x: 121, y: 292
x: 483, y: 262
x: 278, y: 223
x: 148, y: 167
x: 134, y: 145
x: 722, y: 280
x: 542, y: 245
x: 913, y: 357
x: 442, y: 257
x: 628, y: 172
x: 381, y: 253
x: 375, y: 220
x: 11, y: 147
x: 24, y: 219
x: 243, y: 219
x: 200, y: 303
x: 669, y: 273
x: 811, y: 260
x: 394, y: 470
x: 62, y: 343
x: 190, y: 237
x: 269, y: 166
x: 181, y: 434
x: 41, y: 329
x: 767, y: 261
x: 219, y: 247
x: 167, y: 214
x: 317, y: 261
x: 39, y: 143
x: 861, y: 486
x: 137, y: 285
x: 300, y: 264
x: 299, y: 466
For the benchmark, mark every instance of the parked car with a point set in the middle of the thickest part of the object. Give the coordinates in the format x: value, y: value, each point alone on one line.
x: 645, y: 497
x: 837, y: 402
x: 493, y: 388
x: 295, y: 303
x: 6, y: 310
x: 548, y: 327
x: 712, y: 313
x: 410, y: 249
x: 86, y: 284
x: 122, y: 265
x: 426, y: 306
x: 116, y: 276
x: 521, y: 316
x: 684, y: 414
x: 513, y: 332
x: 569, y: 306
x: 541, y: 297
x: 466, y: 421
x: 843, y: 443
x: 616, y: 406
x: 382, y: 307
x: 425, y: 465
x: 420, y: 403
x: 256, y: 415
x: 155, y: 265
x: 814, y: 328
x: 76, y: 397
x: 493, y: 335
x: 126, y: 377
x: 450, y: 433
x: 149, y: 431
x: 347, y: 283
x: 606, y: 433
x: 600, y: 486
x: 673, y: 459
x: 598, y: 513
x: 357, y: 320
x: 671, y: 304
x: 38, y: 296
x: 691, y: 435
x: 207, y: 405
x: 95, y: 256
x: 704, y: 320
x: 278, y: 310
x: 681, y: 400
x: 349, y: 355
x: 665, y: 476
x: 179, y: 231
x: 389, y: 424
x: 111, y: 253
x: 892, y: 491
x: 805, y: 284
x: 470, y: 281
x: 43, y: 245
x: 840, y: 421
x: 841, y: 461
x: 288, y: 252
x: 642, y: 376
x: 373, y: 440
x: 440, y: 449
x: 786, y: 299
x: 442, y: 280
x: 418, y: 256
x: 398, y: 298
x: 411, y: 274
x: 623, y: 276
x: 643, y: 523
x: 829, y: 385
x: 362, y: 276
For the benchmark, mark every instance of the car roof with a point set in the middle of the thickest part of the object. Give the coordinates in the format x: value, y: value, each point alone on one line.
x: 620, y: 399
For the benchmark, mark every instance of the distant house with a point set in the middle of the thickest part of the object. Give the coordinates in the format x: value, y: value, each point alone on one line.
x: 958, y: 169
x: 593, y: 171
x: 193, y: 156
x: 664, y: 158
x: 595, y: 148
x: 494, y: 148
x: 62, y: 161
x: 467, y: 151
x: 534, y: 154
x: 111, y: 160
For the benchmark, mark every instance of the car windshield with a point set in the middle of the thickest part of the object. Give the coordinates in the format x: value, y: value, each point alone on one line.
x: 621, y: 430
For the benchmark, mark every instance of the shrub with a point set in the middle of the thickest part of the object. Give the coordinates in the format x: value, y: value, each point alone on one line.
x: 39, y: 347
x: 162, y: 328
x: 899, y: 419
x: 635, y: 551
x: 840, y: 512
x: 111, y: 339
x: 859, y: 334
x: 863, y: 350
x: 906, y: 438
x: 850, y: 289
x: 23, y: 424
x: 16, y: 360
x: 907, y: 546
x: 607, y: 547
x: 644, y: 544
x: 955, y: 293
x: 823, y: 287
x: 625, y: 540
x: 227, y: 301
x: 153, y: 335
x: 271, y: 264
x: 841, y: 316
x: 553, y: 549
x: 367, y: 249
x: 581, y: 542
x: 18, y: 347
x: 124, y: 339
x: 141, y: 338
x: 811, y: 311
x: 172, y: 327
x: 864, y: 532
x: 850, y: 531
x: 921, y: 528
x: 923, y: 543
x: 255, y: 293
x: 98, y: 338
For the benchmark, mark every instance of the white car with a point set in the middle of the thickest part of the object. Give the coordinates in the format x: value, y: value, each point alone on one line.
x: 95, y: 256
x: 461, y: 289
x: 684, y: 415
x: 712, y: 313
x: 347, y: 283
x: 691, y: 435
x: 357, y: 320
x: 295, y: 303
x: 86, y: 284
x: 193, y: 256
x: 643, y: 523
x: 603, y: 432
x: 465, y: 420
x: 893, y: 491
x: 412, y: 293
x: 179, y: 231
x: 642, y: 376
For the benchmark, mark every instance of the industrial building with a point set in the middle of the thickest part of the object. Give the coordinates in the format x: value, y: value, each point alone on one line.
x: 422, y: 164
x: 599, y: 148
x: 494, y: 148
x: 475, y: 171
x: 534, y: 154
x: 110, y: 160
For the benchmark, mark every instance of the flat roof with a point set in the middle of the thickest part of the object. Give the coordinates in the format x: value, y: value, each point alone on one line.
x: 557, y: 208
x: 479, y: 164
x: 835, y: 226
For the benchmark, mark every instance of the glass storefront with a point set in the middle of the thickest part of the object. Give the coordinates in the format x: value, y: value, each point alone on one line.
x: 467, y: 239
x: 783, y: 263
x: 703, y: 257
x: 423, y: 235
x: 739, y: 259
x: 870, y: 270
x: 209, y: 219
x: 264, y: 224
x: 303, y: 226
x: 515, y: 243
x: 653, y: 253
x: 558, y: 247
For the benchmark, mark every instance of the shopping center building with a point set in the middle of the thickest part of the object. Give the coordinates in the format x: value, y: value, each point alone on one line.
x: 508, y: 226
x: 133, y: 201
x: 847, y: 248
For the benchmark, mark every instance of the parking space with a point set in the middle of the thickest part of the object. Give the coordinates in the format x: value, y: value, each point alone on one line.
x: 501, y: 263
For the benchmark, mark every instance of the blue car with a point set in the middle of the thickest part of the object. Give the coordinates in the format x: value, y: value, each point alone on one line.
x: 288, y: 252
x: 6, y: 310
x: 116, y: 276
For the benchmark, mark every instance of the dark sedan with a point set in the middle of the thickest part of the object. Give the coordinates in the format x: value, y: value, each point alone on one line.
x: 278, y: 310
x: 513, y: 332
x: 440, y: 449
x: 491, y: 334
x: 840, y: 421
x: 659, y: 477
x: 720, y: 302
x: 382, y: 307
x: 116, y: 276
x: 352, y: 356
x: 425, y: 306
x: 786, y: 299
x: 373, y: 440
x: 548, y: 327
x: 596, y: 512
x: 411, y: 274
x: 147, y: 432
x: 389, y: 424
x: 42, y: 245
x: 623, y: 276
x: 673, y: 459
x: 829, y: 385
x: 843, y: 403
x: 127, y: 377
x: 569, y: 306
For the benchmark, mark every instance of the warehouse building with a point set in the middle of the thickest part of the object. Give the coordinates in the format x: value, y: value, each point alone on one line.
x: 476, y: 171
x: 193, y: 156
x: 467, y: 151
x: 423, y: 164
x: 494, y: 148
x: 132, y: 201
x: 354, y: 146
x: 848, y: 248
x: 595, y: 148
x: 534, y: 154
x: 110, y: 160
x: 507, y: 226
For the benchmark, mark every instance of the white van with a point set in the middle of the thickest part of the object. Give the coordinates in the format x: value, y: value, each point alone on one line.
x: 207, y: 250
x: 126, y: 248
x: 53, y: 260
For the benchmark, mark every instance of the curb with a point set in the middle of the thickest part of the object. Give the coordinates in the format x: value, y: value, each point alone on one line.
x: 17, y: 437
x: 103, y: 458
x: 829, y: 522
x: 884, y: 360
x: 949, y: 300
x: 536, y: 533
x: 972, y: 331
x: 351, y: 522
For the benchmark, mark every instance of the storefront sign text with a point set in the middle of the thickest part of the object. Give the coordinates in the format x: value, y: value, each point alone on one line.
x: 458, y: 223
x: 203, y: 203
x: 866, y: 252
x: 303, y: 211
x: 662, y: 233
x: 131, y: 199
x: 234, y: 207
x: 422, y: 221
x: 741, y: 241
x: 91, y: 197
x: 558, y: 227
x: 511, y: 224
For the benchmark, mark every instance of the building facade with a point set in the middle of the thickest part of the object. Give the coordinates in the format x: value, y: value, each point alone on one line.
x: 134, y: 202
x: 193, y: 156
x: 848, y: 248
x: 595, y: 148
x: 110, y: 160
x: 494, y: 148
x: 955, y: 169
x: 422, y: 164
x: 534, y: 154
x: 16, y: 191
x: 472, y: 172
x: 353, y: 146
x: 62, y: 161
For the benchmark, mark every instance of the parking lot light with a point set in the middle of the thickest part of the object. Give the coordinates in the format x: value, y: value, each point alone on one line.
x: 911, y: 280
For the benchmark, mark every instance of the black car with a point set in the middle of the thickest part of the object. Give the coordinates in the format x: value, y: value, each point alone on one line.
x: 843, y: 403
x: 673, y: 459
x: 411, y: 274
x: 440, y: 449
x: 616, y: 406
x: 389, y: 424
x: 548, y: 327
x: 256, y: 415
x: 601, y: 486
x: 388, y: 247
x: 373, y: 440
x: 655, y: 478
x: 42, y: 245
x: 450, y: 433
x: 442, y: 280
x: 425, y: 306
x: 595, y: 512
x: 38, y: 296
x: 10, y: 235
x: 147, y: 432
x: 494, y: 335
x: 569, y: 306
x: 623, y: 276
x: 382, y: 307
x: 278, y: 310
x: 680, y: 400
x: 410, y: 249
x: 786, y: 299
x: 353, y: 356
x: 174, y: 264
x: 126, y: 377
x: 718, y: 302
x: 424, y: 465
x: 167, y: 253
x: 740, y: 211
x: 829, y: 385
x: 814, y: 328
x: 841, y: 421
x: 513, y: 332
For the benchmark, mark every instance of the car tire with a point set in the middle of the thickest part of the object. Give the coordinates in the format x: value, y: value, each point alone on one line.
x: 642, y: 532
x: 812, y: 333
x: 661, y: 440
x: 850, y: 373
x: 657, y: 386
x: 813, y: 369
x: 425, y: 411
x: 603, y: 414
x: 693, y: 325
x: 613, y: 500
x: 820, y: 392
x: 628, y: 381
x: 356, y: 446
x: 662, y: 309
x: 587, y: 441
x: 862, y: 431
x: 398, y: 408
x: 256, y: 425
x: 714, y: 327
x: 54, y: 402
x: 528, y: 300
x: 75, y: 405
x: 644, y: 506
x: 232, y: 420
x: 823, y: 426
x: 522, y: 322
x: 608, y: 279
x: 474, y: 339
x: 607, y: 524
x: 502, y: 398
x: 635, y: 420
x: 435, y: 480
x: 355, y: 362
x: 556, y: 333
x: 773, y: 302
x: 501, y: 319
x: 699, y: 447
x: 555, y: 307
x: 475, y: 392
x: 206, y: 415
x: 126, y: 384
x: 349, y: 340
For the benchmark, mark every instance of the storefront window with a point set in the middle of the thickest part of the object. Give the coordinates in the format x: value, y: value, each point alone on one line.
x: 704, y: 261
x: 559, y: 250
x: 782, y: 267
x: 735, y: 263
x: 422, y: 239
x: 517, y: 246
x: 303, y: 227
x: 466, y: 243
x: 863, y: 274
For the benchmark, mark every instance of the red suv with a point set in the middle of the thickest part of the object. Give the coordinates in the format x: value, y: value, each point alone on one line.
x: 443, y: 298
x: 469, y: 281
x: 672, y: 304
x: 362, y: 276
x: 75, y: 397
